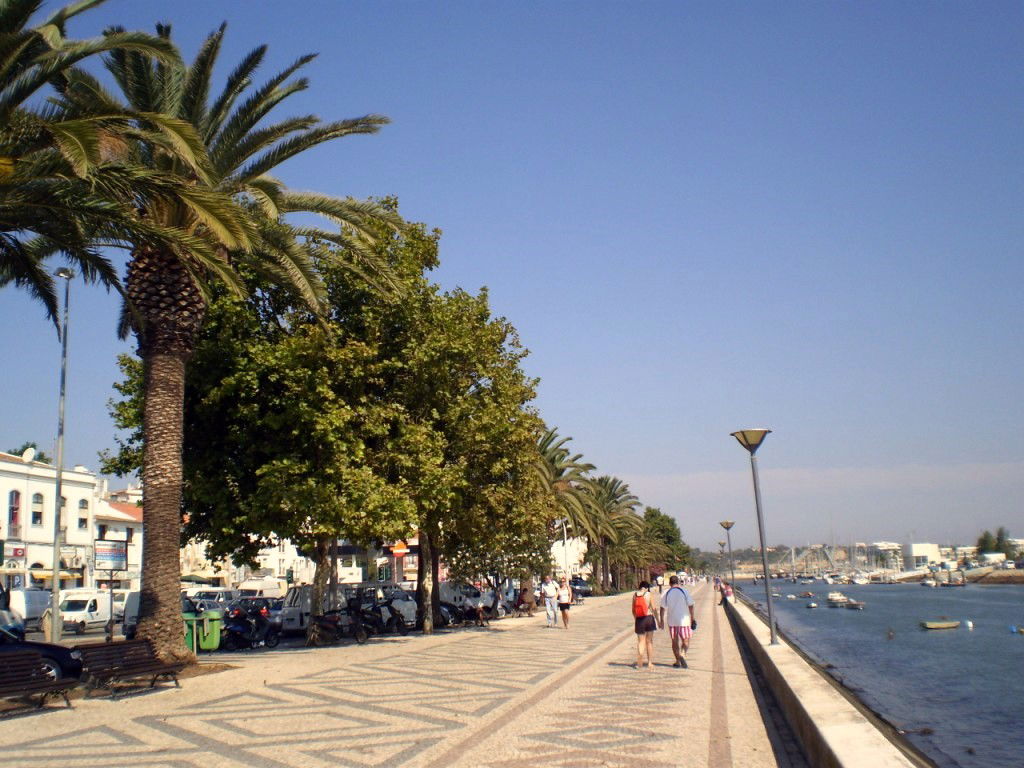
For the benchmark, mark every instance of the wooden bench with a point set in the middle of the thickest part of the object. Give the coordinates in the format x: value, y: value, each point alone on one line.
x: 22, y: 675
x: 104, y: 664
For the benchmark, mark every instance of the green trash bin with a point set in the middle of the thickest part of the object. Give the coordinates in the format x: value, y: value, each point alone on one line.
x: 190, y: 627
x: 208, y: 627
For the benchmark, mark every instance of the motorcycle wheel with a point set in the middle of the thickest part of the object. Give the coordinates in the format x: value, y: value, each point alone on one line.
x: 403, y: 628
x: 360, y: 634
x: 272, y: 640
x: 227, y: 642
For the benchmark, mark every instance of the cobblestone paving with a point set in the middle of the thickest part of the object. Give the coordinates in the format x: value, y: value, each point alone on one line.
x: 517, y: 694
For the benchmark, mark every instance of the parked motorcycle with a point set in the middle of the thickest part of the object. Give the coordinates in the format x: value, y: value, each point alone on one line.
x: 334, y: 625
x: 249, y: 629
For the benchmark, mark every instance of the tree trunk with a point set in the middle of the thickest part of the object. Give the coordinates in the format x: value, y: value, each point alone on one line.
x: 604, y: 565
x: 160, y: 610
x: 425, y: 583
x: 322, y: 559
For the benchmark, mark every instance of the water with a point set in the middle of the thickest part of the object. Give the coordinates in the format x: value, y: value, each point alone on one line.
x: 967, y: 686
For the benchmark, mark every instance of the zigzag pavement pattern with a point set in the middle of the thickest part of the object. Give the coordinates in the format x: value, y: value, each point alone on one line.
x: 513, y: 695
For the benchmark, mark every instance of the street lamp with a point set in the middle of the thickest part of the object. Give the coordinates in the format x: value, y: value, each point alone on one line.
x: 728, y: 524
x: 751, y: 439
x: 55, y: 620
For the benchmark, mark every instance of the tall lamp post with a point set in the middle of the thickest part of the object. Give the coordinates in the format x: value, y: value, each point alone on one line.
x: 55, y: 620
x: 751, y: 439
x: 728, y: 524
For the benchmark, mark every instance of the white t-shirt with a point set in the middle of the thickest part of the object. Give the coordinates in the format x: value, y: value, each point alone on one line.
x: 549, y: 589
x: 677, y: 602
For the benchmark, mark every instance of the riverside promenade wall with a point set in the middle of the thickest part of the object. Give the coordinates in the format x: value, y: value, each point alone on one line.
x: 832, y: 731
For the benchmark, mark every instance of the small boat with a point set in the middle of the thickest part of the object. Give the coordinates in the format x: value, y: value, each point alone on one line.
x: 806, y: 581
x: 791, y: 597
x: 812, y: 605
x: 806, y: 594
x: 837, y: 599
x: 855, y: 605
x: 860, y: 580
x: 929, y: 583
x: 940, y: 624
x: 777, y: 594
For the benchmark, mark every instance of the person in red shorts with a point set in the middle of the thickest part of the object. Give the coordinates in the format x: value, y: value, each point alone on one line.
x: 679, y: 614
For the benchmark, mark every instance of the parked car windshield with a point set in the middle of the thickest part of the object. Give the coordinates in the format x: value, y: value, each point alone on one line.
x: 74, y: 605
x: 209, y: 595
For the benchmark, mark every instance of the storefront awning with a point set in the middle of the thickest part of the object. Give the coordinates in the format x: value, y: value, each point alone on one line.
x: 39, y: 573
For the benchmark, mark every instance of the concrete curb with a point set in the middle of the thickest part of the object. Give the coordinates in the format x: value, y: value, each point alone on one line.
x: 831, y: 730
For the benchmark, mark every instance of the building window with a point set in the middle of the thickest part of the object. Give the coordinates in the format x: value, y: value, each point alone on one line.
x: 102, y: 531
x: 83, y: 505
x: 63, y: 506
x: 37, y: 509
x: 129, y: 532
x: 13, y: 507
x: 83, y: 523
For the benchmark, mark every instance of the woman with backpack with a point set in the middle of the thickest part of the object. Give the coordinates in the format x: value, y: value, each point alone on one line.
x: 644, y: 624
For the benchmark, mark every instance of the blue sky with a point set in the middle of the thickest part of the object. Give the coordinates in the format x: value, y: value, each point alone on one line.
x: 804, y: 216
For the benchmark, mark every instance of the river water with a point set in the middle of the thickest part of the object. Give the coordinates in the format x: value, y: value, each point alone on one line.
x: 966, y: 686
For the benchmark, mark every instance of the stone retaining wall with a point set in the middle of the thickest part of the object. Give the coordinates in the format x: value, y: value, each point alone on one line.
x: 833, y: 733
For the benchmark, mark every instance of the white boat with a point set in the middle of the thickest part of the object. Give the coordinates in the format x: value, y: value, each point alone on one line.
x: 860, y: 580
x: 812, y: 605
x: 929, y: 583
x: 855, y: 605
x: 791, y: 597
x: 837, y: 599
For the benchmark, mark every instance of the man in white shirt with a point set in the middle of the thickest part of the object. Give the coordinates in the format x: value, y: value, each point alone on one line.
x: 549, y: 590
x: 679, y: 612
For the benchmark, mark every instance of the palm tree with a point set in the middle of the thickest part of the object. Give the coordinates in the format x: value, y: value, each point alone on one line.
x: 61, y: 187
x: 168, y: 289
x: 564, y: 477
x: 616, y: 507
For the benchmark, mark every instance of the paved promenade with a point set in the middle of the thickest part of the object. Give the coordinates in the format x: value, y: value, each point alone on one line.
x: 517, y: 694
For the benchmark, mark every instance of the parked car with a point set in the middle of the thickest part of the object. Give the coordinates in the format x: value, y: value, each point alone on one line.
x: 58, y: 660
x: 580, y: 586
x: 12, y: 623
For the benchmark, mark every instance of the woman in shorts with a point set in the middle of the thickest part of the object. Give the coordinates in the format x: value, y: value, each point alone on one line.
x: 564, y: 598
x: 644, y: 626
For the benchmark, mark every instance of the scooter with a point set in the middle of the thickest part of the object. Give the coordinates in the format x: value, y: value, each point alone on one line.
x: 336, y: 624
x: 244, y: 631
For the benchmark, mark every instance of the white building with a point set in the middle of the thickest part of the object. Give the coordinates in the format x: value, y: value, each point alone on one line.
x: 919, y: 556
x: 885, y: 554
x: 26, y: 525
x: 568, y: 557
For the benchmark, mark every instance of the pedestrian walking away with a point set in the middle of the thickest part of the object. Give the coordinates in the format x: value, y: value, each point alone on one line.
x: 549, y: 591
x: 681, y: 624
x: 656, y: 608
x: 726, y: 592
x: 644, y: 625
x: 564, y: 598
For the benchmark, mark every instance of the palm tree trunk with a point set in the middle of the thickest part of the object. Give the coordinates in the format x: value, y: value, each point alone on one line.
x: 604, y: 565
x: 160, y: 612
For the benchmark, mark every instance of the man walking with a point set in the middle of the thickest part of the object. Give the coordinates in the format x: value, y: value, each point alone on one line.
x: 549, y: 591
x: 679, y: 613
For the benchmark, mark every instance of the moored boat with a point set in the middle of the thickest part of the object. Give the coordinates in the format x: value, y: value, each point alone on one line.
x: 812, y: 605
x: 855, y: 605
x: 806, y: 594
x: 837, y: 599
x: 929, y: 583
x: 940, y: 624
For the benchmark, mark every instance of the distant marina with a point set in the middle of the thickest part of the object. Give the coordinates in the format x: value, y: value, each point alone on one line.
x: 941, y: 665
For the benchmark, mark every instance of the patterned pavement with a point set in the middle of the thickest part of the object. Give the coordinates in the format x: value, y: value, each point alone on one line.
x: 516, y: 694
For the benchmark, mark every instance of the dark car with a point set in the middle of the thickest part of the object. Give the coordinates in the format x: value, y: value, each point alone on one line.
x: 58, y: 660
x: 580, y: 586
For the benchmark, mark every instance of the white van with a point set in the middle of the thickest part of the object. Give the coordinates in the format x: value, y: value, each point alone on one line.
x: 83, y: 609
x: 30, y: 604
x: 266, y: 587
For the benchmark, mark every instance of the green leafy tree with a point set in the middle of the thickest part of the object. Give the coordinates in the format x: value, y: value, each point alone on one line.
x: 987, y: 543
x: 663, y: 528
x: 40, y: 455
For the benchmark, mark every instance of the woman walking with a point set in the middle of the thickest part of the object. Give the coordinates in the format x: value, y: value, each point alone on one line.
x: 644, y: 625
x: 564, y: 598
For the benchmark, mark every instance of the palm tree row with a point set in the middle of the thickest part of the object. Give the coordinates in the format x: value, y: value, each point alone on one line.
x: 600, y: 510
x: 179, y: 173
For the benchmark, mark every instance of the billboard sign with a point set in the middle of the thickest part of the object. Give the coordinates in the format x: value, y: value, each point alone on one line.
x: 111, y: 555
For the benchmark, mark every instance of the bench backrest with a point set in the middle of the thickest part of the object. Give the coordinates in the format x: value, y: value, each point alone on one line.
x: 114, y: 655
x: 19, y: 667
